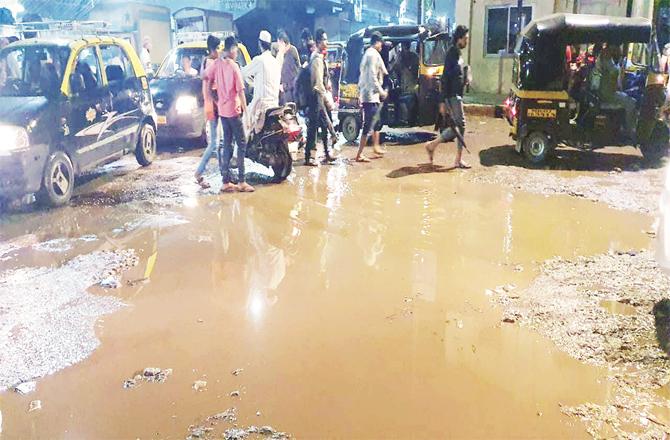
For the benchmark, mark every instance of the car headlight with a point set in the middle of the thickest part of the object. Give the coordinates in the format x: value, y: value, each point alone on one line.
x: 12, y: 139
x: 186, y: 104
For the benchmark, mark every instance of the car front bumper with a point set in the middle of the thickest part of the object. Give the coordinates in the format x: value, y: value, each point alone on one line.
x: 185, y: 126
x: 21, y: 172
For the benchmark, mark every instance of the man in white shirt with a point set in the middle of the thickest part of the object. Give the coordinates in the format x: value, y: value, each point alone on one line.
x: 264, y: 72
x: 145, y: 55
x: 370, y: 87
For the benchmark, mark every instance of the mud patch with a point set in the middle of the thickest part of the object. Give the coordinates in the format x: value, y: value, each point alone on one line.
x: 636, y: 191
x: 47, y: 317
x: 565, y: 304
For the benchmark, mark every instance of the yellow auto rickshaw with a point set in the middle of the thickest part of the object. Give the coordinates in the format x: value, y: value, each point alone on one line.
x: 412, y: 83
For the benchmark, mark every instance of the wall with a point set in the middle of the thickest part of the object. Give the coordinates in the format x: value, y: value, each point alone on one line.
x: 486, y: 68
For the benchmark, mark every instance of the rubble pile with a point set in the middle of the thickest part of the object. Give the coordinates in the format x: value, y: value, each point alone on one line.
x: 564, y: 303
x: 208, y: 429
x: 636, y: 191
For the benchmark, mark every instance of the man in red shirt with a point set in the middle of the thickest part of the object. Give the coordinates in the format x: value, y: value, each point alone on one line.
x: 226, y: 74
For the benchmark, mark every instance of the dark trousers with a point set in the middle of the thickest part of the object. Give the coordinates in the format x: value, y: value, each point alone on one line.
x: 232, y: 127
x: 317, y: 115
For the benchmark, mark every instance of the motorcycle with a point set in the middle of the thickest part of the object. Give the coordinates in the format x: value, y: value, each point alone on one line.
x: 269, y: 147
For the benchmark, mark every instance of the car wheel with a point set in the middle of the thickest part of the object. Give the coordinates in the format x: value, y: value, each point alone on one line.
x: 145, y: 151
x: 536, y: 147
x: 350, y: 128
x: 57, y: 180
x: 658, y: 145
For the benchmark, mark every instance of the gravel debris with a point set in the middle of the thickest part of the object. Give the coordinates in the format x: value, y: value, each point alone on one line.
x: 35, y: 405
x: 199, y: 385
x: 48, y: 316
x: 636, y: 191
x: 564, y: 304
x: 25, y: 387
x: 150, y: 375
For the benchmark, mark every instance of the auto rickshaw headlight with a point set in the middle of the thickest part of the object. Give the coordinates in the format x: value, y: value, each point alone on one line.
x: 13, y: 139
x: 186, y: 104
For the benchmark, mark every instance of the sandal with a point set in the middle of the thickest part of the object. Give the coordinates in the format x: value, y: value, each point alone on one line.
x: 362, y: 159
x: 245, y: 188
x: 229, y: 188
x: 202, y: 182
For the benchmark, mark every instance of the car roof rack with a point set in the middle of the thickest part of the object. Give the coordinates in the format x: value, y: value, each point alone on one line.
x: 66, y: 29
x: 190, y: 37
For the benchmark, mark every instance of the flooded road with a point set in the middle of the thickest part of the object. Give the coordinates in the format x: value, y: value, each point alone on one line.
x: 348, y: 303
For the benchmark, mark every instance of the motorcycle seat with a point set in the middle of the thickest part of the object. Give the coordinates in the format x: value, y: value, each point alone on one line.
x: 271, y: 110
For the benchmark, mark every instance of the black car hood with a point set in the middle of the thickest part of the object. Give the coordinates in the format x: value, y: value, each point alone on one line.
x: 165, y: 90
x: 19, y: 110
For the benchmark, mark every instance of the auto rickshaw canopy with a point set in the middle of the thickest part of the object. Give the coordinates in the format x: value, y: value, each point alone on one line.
x: 394, y: 34
x: 564, y: 29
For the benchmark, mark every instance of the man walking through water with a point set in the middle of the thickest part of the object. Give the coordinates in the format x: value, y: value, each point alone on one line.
x: 453, y: 85
x: 231, y: 104
x: 211, y: 113
x: 370, y: 86
x: 318, y: 114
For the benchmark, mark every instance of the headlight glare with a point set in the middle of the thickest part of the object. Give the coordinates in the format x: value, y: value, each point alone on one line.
x: 12, y: 139
x: 186, y: 104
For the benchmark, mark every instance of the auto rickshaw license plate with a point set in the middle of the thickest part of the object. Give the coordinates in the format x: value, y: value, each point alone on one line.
x: 161, y: 120
x: 544, y: 113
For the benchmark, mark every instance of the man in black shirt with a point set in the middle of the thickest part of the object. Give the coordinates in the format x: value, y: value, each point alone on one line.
x: 451, y: 105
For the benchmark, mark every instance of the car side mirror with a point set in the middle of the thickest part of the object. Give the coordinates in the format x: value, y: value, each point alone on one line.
x: 77, y: 83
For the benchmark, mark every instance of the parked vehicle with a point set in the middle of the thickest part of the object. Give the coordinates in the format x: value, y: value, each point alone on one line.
x: 554, y: 100
x: 400, y: 109
x: 178, y: 96
x: 67, y: 106
x: 192, y: 19
x: 270, y: 146
x: 334, y: 60
x: 137, y: 21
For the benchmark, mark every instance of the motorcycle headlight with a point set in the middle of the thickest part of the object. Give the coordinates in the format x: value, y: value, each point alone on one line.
x: 12, y: 139
x: 186, y: 104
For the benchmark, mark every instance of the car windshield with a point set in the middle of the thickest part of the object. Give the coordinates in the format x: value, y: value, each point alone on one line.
x: 32, y: 70
x: 434, y: 52
x: 183, y: 62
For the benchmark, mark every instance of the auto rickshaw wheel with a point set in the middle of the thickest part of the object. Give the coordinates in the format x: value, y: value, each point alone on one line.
x: 350, y: 127
x: 657, y: 146
x: 57, y: 180
x: 536, y: 147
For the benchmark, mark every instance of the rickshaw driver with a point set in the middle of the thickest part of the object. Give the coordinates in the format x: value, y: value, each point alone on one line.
x: 406, y: 67
x: 606, y: 82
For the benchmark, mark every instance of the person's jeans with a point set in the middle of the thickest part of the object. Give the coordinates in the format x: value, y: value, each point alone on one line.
x: 317, y: 119
x: 212, y: 146
x: 233, y: 127
x: 455, y: 110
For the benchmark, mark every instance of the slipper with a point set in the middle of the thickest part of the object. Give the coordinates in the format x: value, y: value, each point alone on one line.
x: 203, y: 183
x: 229, y: 188
x: 246, y: 188
x: 463, y: 166
x: 362, y: 159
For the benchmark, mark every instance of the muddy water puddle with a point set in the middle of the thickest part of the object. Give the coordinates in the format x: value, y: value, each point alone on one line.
x: 354, y: 305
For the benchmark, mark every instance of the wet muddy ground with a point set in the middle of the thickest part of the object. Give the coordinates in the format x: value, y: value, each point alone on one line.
x: 352, y: 301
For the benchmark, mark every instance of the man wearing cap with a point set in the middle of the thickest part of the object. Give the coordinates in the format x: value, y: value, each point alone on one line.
x: 264, y: 72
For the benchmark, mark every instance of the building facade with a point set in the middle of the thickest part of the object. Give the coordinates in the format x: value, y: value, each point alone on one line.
x: 494, y: 27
